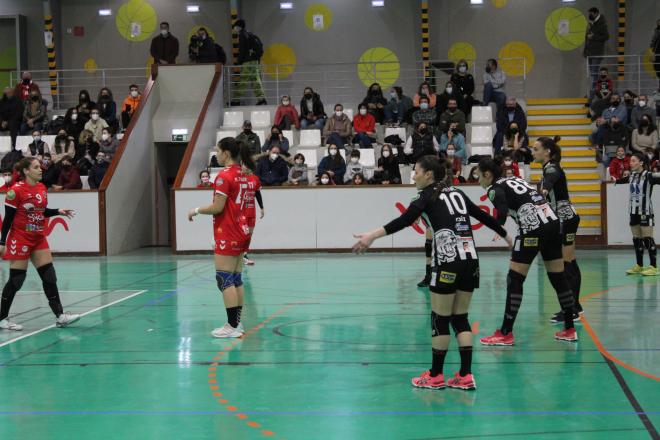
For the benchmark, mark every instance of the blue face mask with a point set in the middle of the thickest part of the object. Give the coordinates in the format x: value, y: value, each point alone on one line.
x: 424, y: 106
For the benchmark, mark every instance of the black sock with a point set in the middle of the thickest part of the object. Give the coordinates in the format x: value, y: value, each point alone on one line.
x: 466, y: 360
x: 49, y: 282
x: 428, y: 272
x: 649, y: 244
x: 514, y: 294
x: 14, y: 283
x: 576, y: 284
x: 232, y: 316
x: 564, y: 295
x: 240, y: 313
x: 638, y: 244
x: 438, y: 362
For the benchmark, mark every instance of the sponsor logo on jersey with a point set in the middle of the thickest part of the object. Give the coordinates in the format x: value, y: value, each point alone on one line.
x: 570, y: 237
x: 28, y: 206
x: 219, y: 181
x: 461, y: 227
x: 24, y: 249
x: 531, y: 242
x: 447, y: 277
x: 11, y: 194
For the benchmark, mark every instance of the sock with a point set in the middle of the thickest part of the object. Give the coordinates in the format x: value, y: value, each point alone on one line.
x: 514, y: 294
x: 232, y: 316
x: 576, y: 284
x: 14, y: 283
x: 428, y: 272
x: 649, y: 243
x: 438, y: 362
x: 466, y: 360
x: 639, y: 251
x: 564, y: 295
x: 240, y: 313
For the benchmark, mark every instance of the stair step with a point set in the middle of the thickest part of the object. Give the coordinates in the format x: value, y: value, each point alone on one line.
x: 578, y: 153
x: 582, y: 187
x: 589, y: 164
x: 556, y: 111
x: 588, y: 211
x: 536, y: 177
x: 589, y: 223
x: 574, y: 143
x: 585, y: 199
x: 561, y: 132
x: 555, y: 101
x: 558, y: 121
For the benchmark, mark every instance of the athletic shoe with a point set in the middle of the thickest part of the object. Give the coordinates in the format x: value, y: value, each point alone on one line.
x: 569, y: 335
x: 66, y: 318
x: 425, y: 282
x: 240, y: 327
x: 466, y: 382
x: 247, y: 261
x: 650, y: 271
x: 635, y: 270
x: 426, y: 381
x: 226, y: 331
x: 498, y: 339
x: 559, y: 317
x: 6, y: 324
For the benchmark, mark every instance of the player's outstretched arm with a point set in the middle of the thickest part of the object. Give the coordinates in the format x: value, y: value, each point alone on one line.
x: 215, y: 208
x: 52, y: 212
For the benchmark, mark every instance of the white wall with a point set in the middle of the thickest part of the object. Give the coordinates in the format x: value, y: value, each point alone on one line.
x: 618, y: 217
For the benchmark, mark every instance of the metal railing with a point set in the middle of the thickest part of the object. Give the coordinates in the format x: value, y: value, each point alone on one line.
x: 638, y: 74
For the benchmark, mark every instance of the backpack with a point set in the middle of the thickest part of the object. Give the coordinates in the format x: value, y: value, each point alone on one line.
x: 255, y: 47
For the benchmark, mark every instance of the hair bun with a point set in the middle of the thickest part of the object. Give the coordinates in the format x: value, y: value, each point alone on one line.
x: 557, y: 138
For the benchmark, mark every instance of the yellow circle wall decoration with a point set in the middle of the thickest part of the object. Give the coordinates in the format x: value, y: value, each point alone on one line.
x: 647, y: 62
x: 378, y: 64
x: 516, y: 50
x: 565, y: 28
x: 462, y: 51
x: 279, y: 61
x: 194, y: 30
x: 136, y: 20
x: 499, y: 3
x: 90, y: 65
x: 150, y: 62
x: 318, y: 17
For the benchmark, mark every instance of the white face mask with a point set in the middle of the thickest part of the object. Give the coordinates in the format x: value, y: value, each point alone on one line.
x: 100, y: 159
x: 105, y: 136
x: 205, y: 179
x: 462, y: 69
x: 642, y: 103
x: 449, y: 90
x: 299, y: 162
x: 393, y: 95
x: 650, y: 156
x: 354, y: 160
x: 237, y: 29
x: 7, y: 178
x: 74, y: 116
x: 134, y: 93
x: 164, y: 32
x: 451, y: 153
x: 273, y: 157
x: 36, y: 138
x: 325, y: 180
x: 333, y: 152
x: 363, y: 111
x: 95, y: 116
x: 285, y: 102
x: 339, y: 113
x: 386, y: 154
x: 424, y: 106
x: 508, y: 163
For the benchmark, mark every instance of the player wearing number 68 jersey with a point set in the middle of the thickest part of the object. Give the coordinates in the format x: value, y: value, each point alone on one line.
x: 539, y: 231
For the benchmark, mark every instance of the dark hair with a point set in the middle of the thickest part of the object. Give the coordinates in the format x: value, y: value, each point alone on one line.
x: 240, y: 23
x: 361, y: 106
x: 164, y: 23
x: 340, y: 105
x: 299, y: 156
x: 355, y: 153
x: 239, y: 152
x: 594, y: 10
x: 642, y: 159
x: 439, y: 170
x: 424, y: 83
x: 651, y: 127
x: 336, y: 159
x: 133, y: 85
x: 494, y: 166
x: 86, y: 93
x: 398, y: 90
x: 204, y: 171
x: 203, y: 29
x: 552, y: 145
x: 493, y: 61
x: 277, y: 127
x: 424, y: 97
x: 360, y: 175
x: 105, y: 89
x: 23, y: 165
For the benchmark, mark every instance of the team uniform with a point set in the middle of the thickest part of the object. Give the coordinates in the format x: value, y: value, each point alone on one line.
x: 554, y: 181
x: 27, y: 233
x: 230, y: 228
x: 252, y: 195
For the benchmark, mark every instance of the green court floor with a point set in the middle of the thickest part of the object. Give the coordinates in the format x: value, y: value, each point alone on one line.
x: 332, y: 343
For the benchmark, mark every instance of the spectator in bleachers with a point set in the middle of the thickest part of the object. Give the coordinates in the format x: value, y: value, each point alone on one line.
x: 511, y: 112
x: 250, y: 138
x: 312, y: 112
x: 298, y: 172
x: 333, y: 165
x: 86, y: 150
x: 629, y: 101
x: 655, y: 50
x: 325, y: 179
x: 164, y: 47
x: 338, y: 128
x: 388, y: 163
x: 69, y: 177
x: 614, y: 135
x: 364, y: 127
x: 645, y: 135
x: 603, y: 84
x: 108, y: 108
x: 204, y: 180
x: 375, y: 102
x: 250, y: 51
x: 424, y: 90
x: 616, y: 112
x: 34, y: 114
x: 456, y: 161
x: 286, y: 115
x: 272, y: 170
x: 130, y: 105
x: 85, y: 106
x: 594, y: 42
x: 63, y: 146
x: 353, y: 166
x: 7, y: 176
x: 494, y: 83
x: 397, y: 107
x: 452, y: 115
x: 425, y: 114
x: 98, y: 170
x: 450, y: 92
x: 473, y: 177
x: 464, y: 83
x: 96, y: 125
x: 358, y: 180
x: 517, y: 143
x: 50, y: 171
x: 508, y: 172
x: 11, y: 113
x: 37, y: 147
x: 619, y: 164
x: 73, y: 124
x: 652, y: 157
x: 276, y: 139
x: 26, y: 87
x: 642, y: 108
x: 509, y: 161
x: 108, y: 144
x: 202, y: 47
x: 420, y: 143
x: 453, y: 137
x: 599, y: 103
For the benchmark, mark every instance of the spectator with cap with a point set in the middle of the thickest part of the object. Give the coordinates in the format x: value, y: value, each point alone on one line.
x: 165, y: 46
x: 25, y: 87
x: 130, y: 105
x: 249, y: 138
x: 250, y: 51
x: 312, y: 112
x: 286, y: 114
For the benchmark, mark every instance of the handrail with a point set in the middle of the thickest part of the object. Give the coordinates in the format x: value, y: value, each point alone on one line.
x: 192, y: 143
x: 628, y: 74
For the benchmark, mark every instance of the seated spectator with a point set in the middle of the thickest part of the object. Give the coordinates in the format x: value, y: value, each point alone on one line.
x: 614, y: 135
x: 165, y: 46
x: 473, y: 177
x: 517, y: 143
x: 108, y: 144
x: 420, y: 143
x: 325, y: 179
x: 629, y: 102
x: 286, y: 115
x: 338, y: 128
x: 464, y: 83
x: 86, y: 150
x: 130, y: 105
x: 424, y: 90
x: 388, y: 163
x: 333, y: 165
x: 50, y: 171
x: 353, y: 166
x: 494, y: 83
x: 36, y: 148
x: 272, y: 170
x: 397, y: 107
x: 604, y: 85
x: 85, y: 106
x: 276, y: 138
x: 96, y: 125
x: 652, y: 157
x: 298, y: 172
x: 108, y: 108
x: 450, y: 92
x: 616, y: 112
x: 456, y: 162
x: 249, y: 138
x: 73, y: 124
x: 63, y: 146
x: 205, y: 180
x: 508, y: 161
x: 7, y: 177
x: 508, y: 172
x: 69, y: 177
x: 512, y: 112
x: 11, y: 114
x: 34, y: 114
x: 98, y: 170
x: 375, y: 102
x: 358, y: 180
x: 640, y: 110
x: 201, y: 48
x: 425, y: 114
x: 312, y: 114
x: 645, y: 135
x: 599, y: 103
x: 364, y: 127
x: 452, y: 116
x: 619, y: 164
x: 454, y: 138
x: 26, y: 87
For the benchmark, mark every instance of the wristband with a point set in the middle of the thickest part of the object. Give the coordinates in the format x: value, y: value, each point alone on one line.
x: 196, y: 211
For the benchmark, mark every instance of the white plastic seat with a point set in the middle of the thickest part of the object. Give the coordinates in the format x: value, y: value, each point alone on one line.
x: 5, y: 144
x: 260, y: 118
x: 349, y: 112
x: 400, y: 131
x: 289, y: 135
x: 49, y: 139
x: 232, y: 119
x: 225, y: 133
x: 311, y: 158
x: 23, y: 141
x: 482, y: 134
x: 481, y: 150
x: 482, y: 115
x: 367, y: 157
x: 262, y: 137
x: 310, y: 138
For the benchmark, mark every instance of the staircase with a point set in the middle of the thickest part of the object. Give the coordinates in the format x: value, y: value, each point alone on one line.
x: 566, y: 117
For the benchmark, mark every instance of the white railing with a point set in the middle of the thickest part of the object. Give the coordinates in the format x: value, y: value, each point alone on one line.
x: 638, y: 75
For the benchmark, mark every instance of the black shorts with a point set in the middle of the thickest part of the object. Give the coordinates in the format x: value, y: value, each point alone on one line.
x: 547, y: 240
x: 569, y: 230
x: 461, y: 275
x: 641, y: 220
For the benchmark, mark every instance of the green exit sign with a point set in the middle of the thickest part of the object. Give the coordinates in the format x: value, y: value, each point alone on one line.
x: 179, y: 138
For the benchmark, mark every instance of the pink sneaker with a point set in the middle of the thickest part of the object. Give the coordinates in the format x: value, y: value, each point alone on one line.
x: 426, y: 381
x: 462, y: 382
x: 569, y: 335
x: 498, y: 339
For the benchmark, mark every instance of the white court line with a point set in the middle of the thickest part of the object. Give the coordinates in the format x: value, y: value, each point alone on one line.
x: 81, y: 315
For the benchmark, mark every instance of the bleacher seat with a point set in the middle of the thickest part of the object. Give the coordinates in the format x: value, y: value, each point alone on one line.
x: 23, y: 141
x: 5, y: 144
x: 367, y: 157
x: 49, y: 139
x: 290, y: 135
x: 85, y: 182
x: 262, y: 136
x: 401, y: 131
x: 349, y: 113
x: 225, y: 133
x: 482, y: 115
x: 481, y: 134
x: 232, y: 119
x: 311, y: 158
x: 310, y: 138
x: 260, y: 118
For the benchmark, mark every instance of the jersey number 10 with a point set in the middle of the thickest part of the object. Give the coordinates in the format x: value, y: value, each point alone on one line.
x: 454, y: 202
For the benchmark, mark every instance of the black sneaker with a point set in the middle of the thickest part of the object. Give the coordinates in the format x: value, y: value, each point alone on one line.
x: 425, y: 282
x: 559, y: 317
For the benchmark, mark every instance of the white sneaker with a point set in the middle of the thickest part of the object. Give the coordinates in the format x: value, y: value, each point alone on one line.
x: 66, y: 318
x: 6, y: 324
x: 227, y: 331
x: 240, y: 327
x: 248, y: 262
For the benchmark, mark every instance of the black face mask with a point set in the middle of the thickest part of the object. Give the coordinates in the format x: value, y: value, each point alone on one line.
x: 423, y: 130
x: 35, y: 98
x: 247, y: 130
x: 644, y: 123
x: 452, y: 109
x: 26, y: 81
x: 616, y: 103
x: 513, y: 130
x: 66, y: 166
x: 488, y: 69
x: 592, y: 17
x: 308, y: 96
x: 275, y: 135
x: 511, y: 109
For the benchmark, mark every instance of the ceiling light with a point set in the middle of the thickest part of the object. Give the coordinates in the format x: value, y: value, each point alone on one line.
x: 105, y: 12
x: 377, y: 3
x: 476, y: 2
x: 286, y: 5
x: 192, y: 8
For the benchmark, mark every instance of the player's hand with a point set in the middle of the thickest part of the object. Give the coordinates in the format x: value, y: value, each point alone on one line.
x: 364, y: 242
x: 2, y: 250
x: 496, y: 238
x: 262, y: 213
x: 69, y: 213
x: 192, y: 213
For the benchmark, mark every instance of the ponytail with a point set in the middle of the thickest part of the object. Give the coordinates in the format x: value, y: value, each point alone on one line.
x: 552, y: 145
x: 245, y: 155
x: 494, y: 166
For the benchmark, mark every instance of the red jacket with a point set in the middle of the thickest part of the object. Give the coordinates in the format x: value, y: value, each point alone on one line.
x: 287, y: 110
x: 22, y: 92
x: 364, y: 124
x: 70, y: 179
x: 618, y: 166
x: 605, y: 84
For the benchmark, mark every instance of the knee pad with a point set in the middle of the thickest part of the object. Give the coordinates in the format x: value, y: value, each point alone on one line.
x: 649, y: 243
x: 440, y: 324
x: 514, y: 281
x: 47, y: 274
x: 460, y: 323
x: 225, y: 279
x: 238, y: 279
x: 428, y: 248
x: 638, y: 243
x: 17, y: 277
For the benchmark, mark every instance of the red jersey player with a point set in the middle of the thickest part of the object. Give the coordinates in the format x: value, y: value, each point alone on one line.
x: 26, y: 210
x: 230, y: 230
x: 253, y: 193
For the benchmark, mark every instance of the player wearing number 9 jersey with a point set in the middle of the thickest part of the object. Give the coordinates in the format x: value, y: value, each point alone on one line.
x: 539, y: 231
x: 455, y: 265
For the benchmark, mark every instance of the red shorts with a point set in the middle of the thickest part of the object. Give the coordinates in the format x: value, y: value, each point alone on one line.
x: 231, y: 248
x: 251, y: 222
x: 20, y: 247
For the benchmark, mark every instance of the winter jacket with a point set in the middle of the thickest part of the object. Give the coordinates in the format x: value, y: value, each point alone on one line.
x: 317, y: 107
x: 614, y: 138
x: 618, y: 166
x: 341, y: 126
x: 464, y: 83
x: 419, y: 145
x: 655, y: 41
x: 252, y: 141
x: 287, y: 110
x: 444, y: 97
x: 109, y: 147
x: 164, y: 48
x: 69, y: 179
x: 272, y: 173
x: 448, y: 118
x: 504, y: 119
x: 338, y: 167
x: 430, y: 117
x: 391, y: 166
x: 11, y: 110
x: 364, y: 124
x: 36, y: 149
x: 595, y: 46
x: 283, y: 144
x: 22, y: 91
x: 96, y: 174
x: 638, y: 112
x: 131, y: 104
x: 620, y: 112
x: 108, y: 111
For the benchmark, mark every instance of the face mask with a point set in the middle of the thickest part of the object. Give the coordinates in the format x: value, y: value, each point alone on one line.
x: 511, y: 109
x: 26, y: 81
x: 237, y: 29
x: 105, y: 136
x: 386, y: 154
x: 422, y: 130
x: 508, y: 163
x: 74, y: 116
x: 83, y: 97
x: 644, y: 123
x: 275, y: 135
x: 273, y: 157
x: 100, y: 159
x: 333, y: 152
x: 7, y: 178
x: 393, y: 95
x: 95, y: 116
x: 462, y: 69
x: 308, y: 95
x: 616, y: 103
x: 424, y: 105
x: 164, y: 32
x: 205, y: 179
x: 451, y: 109
x: 299, y: 162
x: 642, y: 103
x: 363, y: 111
x: 603, y: 75
x: 36, y: 138
x: 247, y: 130
x: 285, y: 102
x: 134, y: 93
x: 621, y: 155
x: 45, y: 162
x: 105, y: 97
x: 514, y: 130
x: 451, y: 153
x: 339, y: 113
x: 449, y: 90
x: 325, y: 180
x: 354, y: 160
x: 35, y: 98
x: 650, y: 156
x: 488, y: 69
x: 66, y: 165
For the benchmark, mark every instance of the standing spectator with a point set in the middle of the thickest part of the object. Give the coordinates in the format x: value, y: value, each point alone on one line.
x: 96, y: 125
x: 338, y: 128
x: 202, y: 48
x: 11, y: 113
x: 425, y: 114
x: 424, y: 90
x: 108, y: 108
x: 98, y: 170
x: 450, y: 92
x: 311, y: 110
x: 298, y: 172
x: 464, y: 82
x: 364, y: 126
x: 73, y: 124
x: 494, y: 83
x: 130, y: 105
x: 655, y: 49
x: 286, y: 115
x: 420, y: 143
x: 645, y: 135
x: 353, y: 166
x: 36, y: 148
x: 640, y: 110
x: 249, y: 138
x: 34, y: 115
x: 452, y: 115
x: 85, y: 105
x: 108, y: 144
x: 26, y: 87
x: 397, y: 107
x: 594, y: 42
x: 205, y: 180
x: 69, y: 177
x: 388, y: 163
x: 250, y: 51
x: 272, y: 170
x: 333, y: 165
x: 512, y: 112
x: 456, y: 139
x: 375, y: 102
x: 276, y: 139
x: 619, y: 164
x: 165, y: 47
